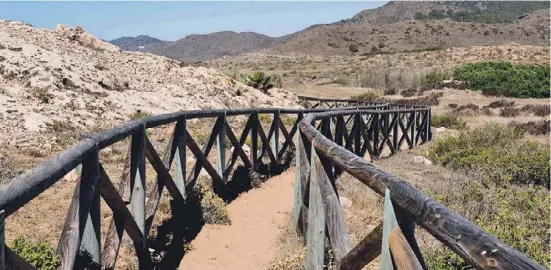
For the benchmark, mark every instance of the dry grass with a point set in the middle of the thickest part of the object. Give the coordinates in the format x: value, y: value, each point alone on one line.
x: 509, y: 111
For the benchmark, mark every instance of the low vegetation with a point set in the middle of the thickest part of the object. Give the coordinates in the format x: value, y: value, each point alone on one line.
x: 505, y: 190
x: 260, y: 81
x: 367, y: 97
x: 506, y: 79
x: 39, y: 254
x: 214, y: 208
x: 447, y: 121
x: 533, y: 128
x: 499, y: 153
x: 433, y: 79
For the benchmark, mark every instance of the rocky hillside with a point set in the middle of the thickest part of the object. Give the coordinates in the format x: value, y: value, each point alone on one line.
x: 139, y: 43
x: 395, y: 27
x: 417, y: 26
x: 69, y: 79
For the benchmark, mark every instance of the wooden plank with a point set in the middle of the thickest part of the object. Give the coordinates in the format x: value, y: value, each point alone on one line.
x: 238, y: 150
x: 83, y: 201
x: 194, y: 148
x: 266, y: 145
x: 402, y: 253
x: 221, y: 148
x: 357, y: 134
x: 364, y: 252
x: 254, y: 141
x: 116, y: 226
x: 297, y: 203
x: 395, y: 120
x: 316, y: 223
x: 137, y: 178
x: 460, y: 235
x: 179, y: 139
x: 336, y: 228
x: 389, y: 223
x: 242, y: 140
x: 201, y: 155
x: 291, y: 135
x: 407, y: 227
x: 274, y: 142
x: 162, y: 171
x: 111, y: 196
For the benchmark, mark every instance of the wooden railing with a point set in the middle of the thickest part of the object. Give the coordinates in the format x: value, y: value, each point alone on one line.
x: 327, y: 147
x: 81, y: 231
x: 329, y: 103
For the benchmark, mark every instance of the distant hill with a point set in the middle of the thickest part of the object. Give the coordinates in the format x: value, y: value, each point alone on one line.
x: 395, y: 27
x: 215, y: 45
x: 138, y: 43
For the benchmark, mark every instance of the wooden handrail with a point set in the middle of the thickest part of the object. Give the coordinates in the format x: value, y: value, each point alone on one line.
x: 469, y: 241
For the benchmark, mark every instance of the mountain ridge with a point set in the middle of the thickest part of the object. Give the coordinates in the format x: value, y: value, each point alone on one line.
x: 394, y: 27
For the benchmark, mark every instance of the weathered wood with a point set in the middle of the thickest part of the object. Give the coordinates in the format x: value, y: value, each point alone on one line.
x: 84, y: 200
x: 194, y: 148
x: 297, y: 203
x: 179, y: 139
x: 364, y: 252
x: 389, y: 223
x: 202, y: 155
x: 116, y: 226
x: 401, y: 252
x: 111, y: 196
x: 162, y: 171
x: 462, y: 236
x: 291, y: 135
x: 407, y: 227
x: 254, y: 141
x: 238, y: 149
x: 316, y: 222
x: 137, y: 178
x: 274, y: 142
x: 221, y: 148
x: 266, y: 145
x: 336, y: 228
x: 242, y: 140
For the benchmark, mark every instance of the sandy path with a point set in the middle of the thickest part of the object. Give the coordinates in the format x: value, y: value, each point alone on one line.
x: 250, y: 241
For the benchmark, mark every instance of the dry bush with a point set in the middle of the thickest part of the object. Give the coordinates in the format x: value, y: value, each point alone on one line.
x: 501, y: 103
x: 432, y: 100
x: 538, y: 110
x: 509, y: 112
x: 453, y: 106
x: 469, y: 106
x: 409, y: 92
x: 486, y: 111
x: 534, y: 128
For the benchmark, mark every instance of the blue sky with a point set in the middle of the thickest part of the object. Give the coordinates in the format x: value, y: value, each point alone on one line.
x: 174, y: 20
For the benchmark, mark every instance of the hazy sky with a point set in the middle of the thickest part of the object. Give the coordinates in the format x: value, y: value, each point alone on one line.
x: 173, y: 20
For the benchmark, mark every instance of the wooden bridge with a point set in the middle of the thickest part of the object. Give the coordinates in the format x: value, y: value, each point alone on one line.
x: 327, y: 141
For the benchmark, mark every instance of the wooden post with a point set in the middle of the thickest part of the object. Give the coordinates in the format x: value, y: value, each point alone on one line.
x: 137, y: 178
x: 358, y: 135
x: 221, y: 148
x: 395, y: 137
x: 297, y: 204
x: 407, y: 226
x: 375, y: 123
x: 180, y: 156
x: 414, y: 129
x: 275, y: 137
x: 316, y: 221
x: 254, y: 141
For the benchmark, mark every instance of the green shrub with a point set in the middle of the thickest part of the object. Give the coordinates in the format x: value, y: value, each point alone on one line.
x: 39, y: 254
x: 447, y: 121
x: 214, y: 208
x: 498, y: 152
x: 367, y: 97
x: 506, y: 79
x: 259, y: 80
x: 434, y: 78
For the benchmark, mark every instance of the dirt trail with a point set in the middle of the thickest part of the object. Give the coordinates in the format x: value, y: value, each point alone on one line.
x: 250, y: 241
